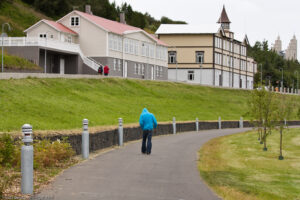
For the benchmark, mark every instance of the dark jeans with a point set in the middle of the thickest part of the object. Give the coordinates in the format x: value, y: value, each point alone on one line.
x: 147, y: 135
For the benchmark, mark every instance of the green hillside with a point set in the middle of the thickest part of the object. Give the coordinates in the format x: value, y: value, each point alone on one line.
x: 19, y: 15
x: 50, y: 104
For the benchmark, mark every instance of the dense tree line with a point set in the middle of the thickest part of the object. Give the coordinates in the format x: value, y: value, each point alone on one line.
x: 272, y: 63
x: 103, y: 8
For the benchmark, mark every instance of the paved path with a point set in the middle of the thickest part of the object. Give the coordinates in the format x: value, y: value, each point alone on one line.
x: 169, y: 173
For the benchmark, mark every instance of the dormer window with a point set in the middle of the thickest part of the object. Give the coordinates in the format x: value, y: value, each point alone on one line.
x: 74, y: 21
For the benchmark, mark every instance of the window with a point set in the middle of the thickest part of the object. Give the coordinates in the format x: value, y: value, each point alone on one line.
x: 136, y: 49
x: 218, y: 42
x: 161, y: 71
x: 143, y: 69
x: 115, y: 64
x: 126, y: 46
x: 172, y: 57
x: 139, y: 69
x: 190, y: 75
x: 243, y: 50
x: 74, y: 21
x: 115, y: 42
x: 157, y: 71
x: 42, y: 35
x: 135, y: 69
x: 218, y: 58
x: 119, y: 65
x: 199, y: 57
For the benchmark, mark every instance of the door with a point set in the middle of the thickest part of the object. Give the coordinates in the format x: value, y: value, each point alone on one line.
x: 62, y: 66
x: 125, y: 70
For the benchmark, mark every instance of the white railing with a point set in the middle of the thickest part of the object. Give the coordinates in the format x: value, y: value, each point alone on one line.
x: 51, y: 44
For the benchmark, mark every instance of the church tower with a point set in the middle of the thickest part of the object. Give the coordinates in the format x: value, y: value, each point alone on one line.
x: 224, y: 20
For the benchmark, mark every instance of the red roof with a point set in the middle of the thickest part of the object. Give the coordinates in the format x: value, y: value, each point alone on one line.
x: 60, y: 27
x: 114, y: 26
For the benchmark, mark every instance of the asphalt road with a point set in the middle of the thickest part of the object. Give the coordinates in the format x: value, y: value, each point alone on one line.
x: 169, y: 173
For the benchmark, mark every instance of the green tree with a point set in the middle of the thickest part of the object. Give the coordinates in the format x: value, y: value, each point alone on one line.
x: 284, y: 112
x: 262, y: 109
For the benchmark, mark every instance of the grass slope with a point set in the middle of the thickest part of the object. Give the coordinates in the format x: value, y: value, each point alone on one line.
x: 19, y: 15
x: 236, y: 167
x: 51, y: 104
x: 18, y: 63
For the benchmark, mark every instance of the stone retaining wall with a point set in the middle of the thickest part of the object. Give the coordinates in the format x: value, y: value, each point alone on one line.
x: 110, y: 138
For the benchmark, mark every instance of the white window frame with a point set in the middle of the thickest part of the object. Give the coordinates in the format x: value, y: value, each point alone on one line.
x: 74, y: 17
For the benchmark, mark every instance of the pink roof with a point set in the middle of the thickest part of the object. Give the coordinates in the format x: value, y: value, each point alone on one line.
x: 114, y: 26
x: 60, y: 27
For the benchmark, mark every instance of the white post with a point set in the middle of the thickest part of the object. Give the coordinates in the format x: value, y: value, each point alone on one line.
x: 197, y: 124
x: 220, y: 123
x: 241, y: 122
x: 174, y: 125
x: 85, y: 139
x: 27, y: 160
x: 120, y: 130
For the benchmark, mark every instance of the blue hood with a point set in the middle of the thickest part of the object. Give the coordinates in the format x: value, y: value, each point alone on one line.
x: 147, y: 120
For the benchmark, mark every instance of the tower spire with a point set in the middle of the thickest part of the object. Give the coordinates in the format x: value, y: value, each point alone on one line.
x: 224, y: 20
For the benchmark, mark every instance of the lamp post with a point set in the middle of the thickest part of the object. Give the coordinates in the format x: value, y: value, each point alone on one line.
x: 2, y: 35
x: 281, y: 69
x: 296, y: 72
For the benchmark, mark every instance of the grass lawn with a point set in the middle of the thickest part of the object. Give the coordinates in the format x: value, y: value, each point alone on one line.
x: 235, y: 166
x: 56, y: 104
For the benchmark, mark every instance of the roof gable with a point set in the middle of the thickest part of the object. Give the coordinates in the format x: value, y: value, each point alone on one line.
x: 57, y: 26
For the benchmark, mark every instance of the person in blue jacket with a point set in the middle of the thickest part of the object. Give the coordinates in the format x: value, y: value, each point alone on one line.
x: 147, y: 123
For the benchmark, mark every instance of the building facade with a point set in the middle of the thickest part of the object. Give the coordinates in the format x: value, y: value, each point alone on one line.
x: 209, y: 54
x: 92, y: 42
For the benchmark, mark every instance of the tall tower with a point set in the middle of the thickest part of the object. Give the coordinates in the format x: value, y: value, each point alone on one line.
x: 278, y: 45
x: 224, y: 20
x: 291, y: 52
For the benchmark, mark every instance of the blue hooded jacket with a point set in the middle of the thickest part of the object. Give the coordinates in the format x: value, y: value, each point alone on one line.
x: 147, y: 120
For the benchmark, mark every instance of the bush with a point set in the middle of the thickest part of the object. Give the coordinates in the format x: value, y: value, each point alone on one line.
x: 51, y: 154
x: 7, y: 150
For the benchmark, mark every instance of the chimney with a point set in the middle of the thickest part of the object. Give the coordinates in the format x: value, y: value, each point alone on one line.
x: 88, y: 9
x: 122, y: 18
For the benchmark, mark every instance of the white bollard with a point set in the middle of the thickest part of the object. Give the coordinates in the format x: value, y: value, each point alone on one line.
x: 120, y: 130
x: 241, y: 122
x: 197, y: 124
x: 85, y: 140
x: 220, y: 123
x: 285, y: 122
x: 27, y: 160
x: 174, y: 125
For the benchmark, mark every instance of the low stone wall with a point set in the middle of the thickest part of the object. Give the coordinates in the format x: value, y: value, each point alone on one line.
x: 110, y: 138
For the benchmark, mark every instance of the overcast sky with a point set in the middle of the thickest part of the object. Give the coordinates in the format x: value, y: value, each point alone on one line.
x: 260, y: 19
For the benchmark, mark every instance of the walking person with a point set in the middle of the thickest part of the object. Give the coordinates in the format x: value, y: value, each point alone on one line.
x: 106, y: 70
x: 147, y: 123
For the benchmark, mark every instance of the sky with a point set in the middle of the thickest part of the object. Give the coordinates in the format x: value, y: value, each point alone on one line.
x: 260, y: 19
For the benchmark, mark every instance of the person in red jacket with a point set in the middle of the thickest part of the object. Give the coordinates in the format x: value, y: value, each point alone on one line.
x: 106, y: 70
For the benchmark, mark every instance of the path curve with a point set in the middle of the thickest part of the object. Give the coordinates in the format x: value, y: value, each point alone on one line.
x: 169, y: 173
